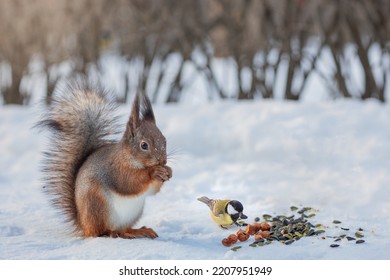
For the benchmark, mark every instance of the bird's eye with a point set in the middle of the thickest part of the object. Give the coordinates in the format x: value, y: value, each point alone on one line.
x: 144, y: 146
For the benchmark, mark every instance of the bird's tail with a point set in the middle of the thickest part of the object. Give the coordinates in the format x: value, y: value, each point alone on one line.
x: 209, y: 202
x: 204, y: 199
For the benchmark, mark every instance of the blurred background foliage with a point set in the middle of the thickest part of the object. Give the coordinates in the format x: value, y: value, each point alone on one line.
x: 157, y: 40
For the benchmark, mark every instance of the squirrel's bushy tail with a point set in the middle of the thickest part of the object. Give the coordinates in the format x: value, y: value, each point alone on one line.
x: 81, y: 121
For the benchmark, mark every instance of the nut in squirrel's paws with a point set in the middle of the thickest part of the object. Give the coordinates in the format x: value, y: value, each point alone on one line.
x: 169, y: 170
x: 162, y: 173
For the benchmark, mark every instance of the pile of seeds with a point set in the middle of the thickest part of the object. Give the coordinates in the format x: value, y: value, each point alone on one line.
x: 288, y: 229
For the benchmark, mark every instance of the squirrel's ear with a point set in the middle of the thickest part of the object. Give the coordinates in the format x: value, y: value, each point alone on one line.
x: 146, y: 110
x: 142, y: 111
x: 134, y: 120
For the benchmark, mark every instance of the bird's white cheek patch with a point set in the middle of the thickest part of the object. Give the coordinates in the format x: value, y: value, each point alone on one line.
x: 231, y: 210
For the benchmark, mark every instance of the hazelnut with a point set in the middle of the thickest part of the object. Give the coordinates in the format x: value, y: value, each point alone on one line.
x: 251, y: 229
x: 257, y: 226
x: 232, y: 238
x: 265, y: 234
x: 226, y: 242
x: 258, y: 237
x: 265, y: 226
x: 243, y: 236
x: 239, y: 231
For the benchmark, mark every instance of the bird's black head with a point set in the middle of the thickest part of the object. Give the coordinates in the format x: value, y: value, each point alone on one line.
x: 235, y: 210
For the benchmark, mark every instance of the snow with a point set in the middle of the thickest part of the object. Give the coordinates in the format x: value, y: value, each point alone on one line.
x: 270, y: 155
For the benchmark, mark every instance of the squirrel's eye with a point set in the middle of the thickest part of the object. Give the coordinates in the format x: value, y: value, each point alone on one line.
x: 144, y: 146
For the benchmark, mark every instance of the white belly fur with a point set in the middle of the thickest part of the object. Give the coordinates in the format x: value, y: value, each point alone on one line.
x: 126, y: 210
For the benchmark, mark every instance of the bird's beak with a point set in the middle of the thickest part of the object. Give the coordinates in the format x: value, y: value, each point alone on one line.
x: 243, y: 216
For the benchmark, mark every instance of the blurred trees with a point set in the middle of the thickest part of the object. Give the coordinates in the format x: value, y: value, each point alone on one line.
x: 18, y: 43
x: 50, y: 31
x: 363, y: 26
x: 167, y: 43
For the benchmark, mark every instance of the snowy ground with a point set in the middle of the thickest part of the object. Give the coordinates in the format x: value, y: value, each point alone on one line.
x: 333, y: 156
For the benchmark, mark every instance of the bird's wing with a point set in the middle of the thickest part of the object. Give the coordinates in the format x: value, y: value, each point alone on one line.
x: 219, y: 207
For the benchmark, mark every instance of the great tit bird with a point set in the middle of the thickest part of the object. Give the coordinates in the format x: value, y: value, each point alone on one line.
x: 224, y: 212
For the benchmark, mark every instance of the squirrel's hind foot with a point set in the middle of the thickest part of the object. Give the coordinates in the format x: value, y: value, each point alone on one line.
x: 131, y: 233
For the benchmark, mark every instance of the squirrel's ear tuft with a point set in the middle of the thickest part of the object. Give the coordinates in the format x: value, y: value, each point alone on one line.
x: 142, y: 111
x: 146, y: 110
x: 134, y: 120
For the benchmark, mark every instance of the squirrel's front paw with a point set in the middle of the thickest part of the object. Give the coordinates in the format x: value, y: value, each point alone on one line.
x: 162, y: 173
x: 169, y: 170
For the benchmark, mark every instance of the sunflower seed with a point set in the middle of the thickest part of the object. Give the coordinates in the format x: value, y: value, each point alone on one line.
x: 288, y: 242
x: 267, y: 217
x: 273, y: 238
x: 298, y: 234
x: 236, y: 248
x: 304, y: 209
x: 360, y: 241
x: 297, y: 221
x: 336, y: 222
x: 334, y: 245
x: 359, y: 235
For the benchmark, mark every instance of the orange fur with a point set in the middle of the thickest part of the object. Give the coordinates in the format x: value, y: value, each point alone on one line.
x: 93, y: 212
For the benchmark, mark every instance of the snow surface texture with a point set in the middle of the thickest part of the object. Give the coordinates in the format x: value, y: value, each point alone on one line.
x: 334, y: 157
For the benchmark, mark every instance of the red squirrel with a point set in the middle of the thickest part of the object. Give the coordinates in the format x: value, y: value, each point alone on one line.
x: 101, y: 184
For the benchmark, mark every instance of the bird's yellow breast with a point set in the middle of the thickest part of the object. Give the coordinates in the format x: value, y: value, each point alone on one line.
x: 222, y: 219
